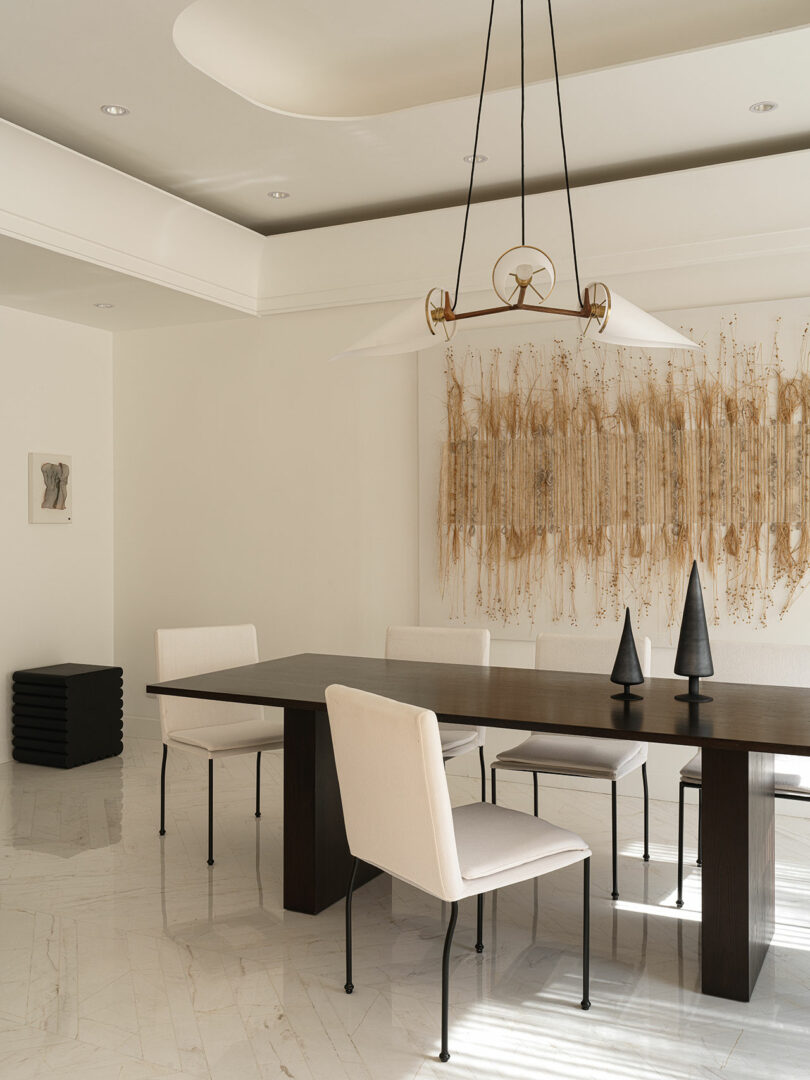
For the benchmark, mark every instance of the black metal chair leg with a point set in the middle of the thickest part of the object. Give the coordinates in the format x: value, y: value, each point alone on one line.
x: 679, y: 901
x: 258, y: 784
x: 210, y: 811
x: 483, y: 774
x: 479, y: 940
x: 163, y: 792
x: 586, y: 934
x: 444, y: 1055
x: 492, y: 785
x: 615, y: 893
x: 348, y: 986
x: 646, y: 813
x: 700, y: 827
x: 536, y: 800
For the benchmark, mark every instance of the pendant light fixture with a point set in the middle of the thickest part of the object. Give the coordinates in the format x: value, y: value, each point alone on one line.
x: 524, y: 276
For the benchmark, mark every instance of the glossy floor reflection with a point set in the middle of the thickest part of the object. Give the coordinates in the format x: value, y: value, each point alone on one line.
x: 125, y: 957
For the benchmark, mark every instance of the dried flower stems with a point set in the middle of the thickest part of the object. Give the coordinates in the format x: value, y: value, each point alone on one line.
x: 591, y: 467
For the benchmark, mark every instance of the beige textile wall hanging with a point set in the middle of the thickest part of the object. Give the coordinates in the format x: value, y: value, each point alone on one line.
x: 591, y: 468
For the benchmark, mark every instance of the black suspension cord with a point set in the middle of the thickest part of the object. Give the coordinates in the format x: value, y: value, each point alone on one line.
x: 474, y: 153
x: 565, y: 157
x: 522, y: 146
x: 522, y: 139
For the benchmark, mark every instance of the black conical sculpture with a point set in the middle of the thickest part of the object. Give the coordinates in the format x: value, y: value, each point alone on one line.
x: 627, y: 669
x: 694, y: 656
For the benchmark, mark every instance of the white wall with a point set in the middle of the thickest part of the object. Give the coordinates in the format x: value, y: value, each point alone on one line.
x: 513, y: 644
x: 57, y: 595
x: 257, y: 482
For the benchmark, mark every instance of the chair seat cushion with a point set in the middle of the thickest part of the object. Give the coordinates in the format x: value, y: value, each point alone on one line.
x: 491, y: 839
x: 693, y: 769
x: 791, y: 775
x: 243, y: 735
x: 457, y: 740
x: 574, y: 755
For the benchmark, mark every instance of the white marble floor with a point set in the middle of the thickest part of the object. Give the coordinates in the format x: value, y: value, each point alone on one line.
x: 124, y: 958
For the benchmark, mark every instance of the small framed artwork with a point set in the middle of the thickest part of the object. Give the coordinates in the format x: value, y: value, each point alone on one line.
x: 50, y: 489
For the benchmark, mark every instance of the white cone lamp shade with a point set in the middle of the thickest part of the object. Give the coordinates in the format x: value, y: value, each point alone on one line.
x: 408, y: 331
x: 618, y: 322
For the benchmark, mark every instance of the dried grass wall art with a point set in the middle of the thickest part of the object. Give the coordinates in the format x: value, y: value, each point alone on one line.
x: 586, y: 467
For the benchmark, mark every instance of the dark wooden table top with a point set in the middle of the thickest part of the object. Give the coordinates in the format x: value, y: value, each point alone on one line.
x: 769, y: 719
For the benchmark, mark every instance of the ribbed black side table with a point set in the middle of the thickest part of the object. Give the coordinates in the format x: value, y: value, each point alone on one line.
x: 67, y: 714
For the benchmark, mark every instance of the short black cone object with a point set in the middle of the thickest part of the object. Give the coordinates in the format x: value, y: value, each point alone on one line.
x: 627, y: 669
x: 694, y: 656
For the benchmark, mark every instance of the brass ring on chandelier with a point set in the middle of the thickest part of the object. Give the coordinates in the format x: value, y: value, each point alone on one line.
x: 434, y: 314
x: 548, y: 266
x: 600, y: 308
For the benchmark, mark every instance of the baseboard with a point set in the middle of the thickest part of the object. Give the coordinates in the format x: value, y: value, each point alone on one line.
x: 141, y: 727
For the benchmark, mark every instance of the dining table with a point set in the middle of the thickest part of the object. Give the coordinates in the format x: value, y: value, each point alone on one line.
x: 739, y: 730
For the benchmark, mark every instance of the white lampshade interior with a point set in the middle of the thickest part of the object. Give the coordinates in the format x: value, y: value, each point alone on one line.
x: 626, y: 324
x: 527, y: 263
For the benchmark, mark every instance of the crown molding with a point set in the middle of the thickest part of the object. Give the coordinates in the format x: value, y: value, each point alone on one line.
x: 56, y: 198
x: 733, y: 232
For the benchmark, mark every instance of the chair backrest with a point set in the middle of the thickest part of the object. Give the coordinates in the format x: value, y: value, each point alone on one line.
x: 763, y: 662
x: 440, y: 645
x: 393, y: 788
x: 437, y: 644
x: 193, y: 650
x: 586, y: 653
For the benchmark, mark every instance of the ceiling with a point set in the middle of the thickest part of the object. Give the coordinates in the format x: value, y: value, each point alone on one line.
x: 655, y: 87
x: 35, y: 279
x: 364, y: 61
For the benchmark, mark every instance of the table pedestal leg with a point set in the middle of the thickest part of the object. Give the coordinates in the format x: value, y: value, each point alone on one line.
x: 317, y: 862
x: 738, y: 870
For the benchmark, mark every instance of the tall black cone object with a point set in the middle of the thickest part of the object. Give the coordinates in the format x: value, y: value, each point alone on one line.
x: 627, y: 669
x: 694, y: 656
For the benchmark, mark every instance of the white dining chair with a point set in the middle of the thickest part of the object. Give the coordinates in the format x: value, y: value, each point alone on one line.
x: 399, y: 819
x: 576, y: 755
x: 446, y: 645
x: 749, y: 662
x: 213, y: 728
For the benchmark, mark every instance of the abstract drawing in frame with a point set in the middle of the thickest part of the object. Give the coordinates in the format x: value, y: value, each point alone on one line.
x: 50, y: 489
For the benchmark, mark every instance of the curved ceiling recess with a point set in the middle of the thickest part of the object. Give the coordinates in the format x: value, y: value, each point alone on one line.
x: 346, y: 61
x: 363, y: 58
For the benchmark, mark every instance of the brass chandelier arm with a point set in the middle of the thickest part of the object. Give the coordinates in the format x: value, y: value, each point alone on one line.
x: 583, y: 313
x: 442, y: 315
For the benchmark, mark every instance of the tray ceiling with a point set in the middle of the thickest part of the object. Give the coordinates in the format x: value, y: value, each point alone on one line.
x: 45, y: 282
x: 650, y: 89
x: 367, y: 59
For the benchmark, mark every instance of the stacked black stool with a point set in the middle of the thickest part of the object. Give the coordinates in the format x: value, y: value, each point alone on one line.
x: 67, y: 714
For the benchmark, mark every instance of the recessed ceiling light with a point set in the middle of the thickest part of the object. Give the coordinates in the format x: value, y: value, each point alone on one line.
x: 762, y: 106
x: 115, y: 110
x: 479, y: 159
x: 104, y: 305
x: 279, y: 194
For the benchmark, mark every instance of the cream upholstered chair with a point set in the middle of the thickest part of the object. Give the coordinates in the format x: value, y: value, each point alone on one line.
x: 399, y: 819
x: 445, y: 645
x: 212, y: 728
x: 577, y: 755
x: 746, y: 662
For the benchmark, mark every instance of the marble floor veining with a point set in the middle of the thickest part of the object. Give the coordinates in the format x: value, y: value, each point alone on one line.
x: 123, y: 957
